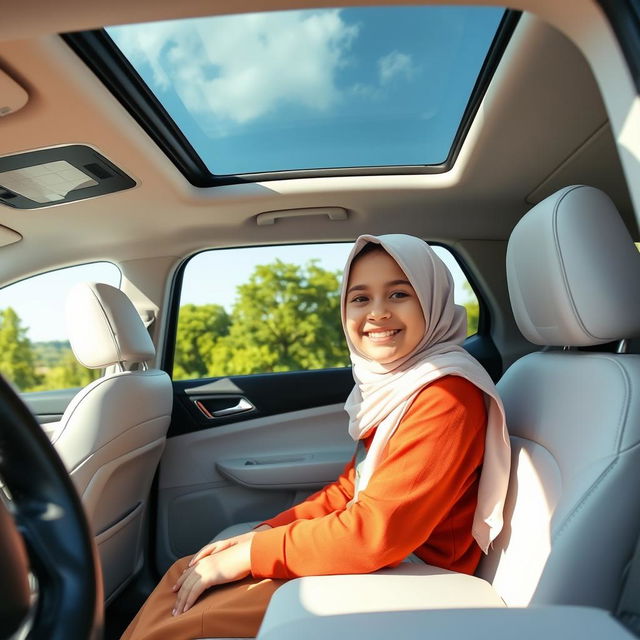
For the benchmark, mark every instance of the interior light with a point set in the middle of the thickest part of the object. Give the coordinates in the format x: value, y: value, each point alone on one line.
x: 49, y: 182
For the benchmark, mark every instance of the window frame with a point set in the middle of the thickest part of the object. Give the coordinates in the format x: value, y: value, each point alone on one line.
x: 175, y: 291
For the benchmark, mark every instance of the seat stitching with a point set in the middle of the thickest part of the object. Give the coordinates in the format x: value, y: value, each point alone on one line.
x: 99, y: 382
x: 584, y: 499
x: 621, y: 428
x: 109, y: 325
x: 624, y: 413
x: 626, y: 404
x: 128, y: 432
x: 560, y: 258
x: 622, y: 422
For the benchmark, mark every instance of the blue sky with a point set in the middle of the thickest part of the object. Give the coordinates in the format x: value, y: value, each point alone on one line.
x: 315, y: 88
x: 211, y: 277
x: 39, y: 301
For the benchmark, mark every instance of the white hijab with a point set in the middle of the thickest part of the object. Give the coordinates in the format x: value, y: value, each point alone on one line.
x: 383, y: 392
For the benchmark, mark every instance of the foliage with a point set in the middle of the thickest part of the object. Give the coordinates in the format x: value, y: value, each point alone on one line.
x: 48, y: 354
x: 66, y: 374
x: 473, y: 309
x: 16, y: 354
x: 286, y: 317
x: 38, y: 366
x: 199, y: 328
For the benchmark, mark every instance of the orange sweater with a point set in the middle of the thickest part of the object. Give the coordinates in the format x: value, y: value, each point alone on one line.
x: 420, y: 499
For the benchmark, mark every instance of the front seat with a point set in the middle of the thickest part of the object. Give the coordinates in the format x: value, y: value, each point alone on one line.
x: 573, y: 408
x: 113, y: 432
x: 573, y: 411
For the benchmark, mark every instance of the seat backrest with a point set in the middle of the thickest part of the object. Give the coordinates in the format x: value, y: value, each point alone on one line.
x: 572, y: 513
x: 113, y: 432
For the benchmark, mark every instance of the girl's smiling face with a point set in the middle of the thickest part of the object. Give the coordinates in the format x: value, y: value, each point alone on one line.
x: 383, y: 316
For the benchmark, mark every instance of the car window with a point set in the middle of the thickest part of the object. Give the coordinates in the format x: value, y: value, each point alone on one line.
x: 364, y: 65
x: 35, y: 354
x: 270, y: 309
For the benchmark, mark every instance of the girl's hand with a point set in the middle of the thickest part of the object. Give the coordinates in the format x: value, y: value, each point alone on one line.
x: 221, y: 545
x: 232, y: 563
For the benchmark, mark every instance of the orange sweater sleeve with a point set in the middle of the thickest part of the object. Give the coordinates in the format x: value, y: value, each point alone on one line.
x: 330, y: 498
x: 427, y: 467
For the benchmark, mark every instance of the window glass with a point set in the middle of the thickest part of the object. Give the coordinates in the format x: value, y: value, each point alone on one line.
x: 268, y: 309
x: 464, y: 294
x: 34, y: 349
x: 315, y: 88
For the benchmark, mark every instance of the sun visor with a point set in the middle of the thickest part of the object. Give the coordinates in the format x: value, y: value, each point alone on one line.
x: 46, y: 177
x: 8, y: 236
x: 12, y: 96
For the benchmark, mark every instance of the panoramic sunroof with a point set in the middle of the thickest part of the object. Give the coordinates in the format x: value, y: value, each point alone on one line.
x: 315, y: 89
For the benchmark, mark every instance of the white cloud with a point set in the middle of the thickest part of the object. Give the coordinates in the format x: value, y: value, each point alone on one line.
x: 145, y: 44
x: 395, y: 64
x: 367, y: 91
x: 238, y: 68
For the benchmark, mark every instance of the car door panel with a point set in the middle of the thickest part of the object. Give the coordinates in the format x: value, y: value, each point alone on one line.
x: 293, y: 471
x: 198, y: 495
x: 268, y: 394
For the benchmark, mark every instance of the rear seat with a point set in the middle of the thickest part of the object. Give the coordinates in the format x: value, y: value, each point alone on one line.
x: 572, y: 514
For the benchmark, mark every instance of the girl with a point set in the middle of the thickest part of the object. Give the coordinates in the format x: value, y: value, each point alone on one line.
x: 429, y: 475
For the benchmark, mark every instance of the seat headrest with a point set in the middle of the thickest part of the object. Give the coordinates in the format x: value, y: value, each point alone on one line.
x: 104, y: 327
x: 573, y: 271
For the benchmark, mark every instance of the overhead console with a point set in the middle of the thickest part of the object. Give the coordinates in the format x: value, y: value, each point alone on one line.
x: 37, y: 179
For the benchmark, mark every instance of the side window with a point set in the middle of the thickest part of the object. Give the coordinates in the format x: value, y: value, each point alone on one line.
x: 34, y: 349
x: 464, y: 294
x: 269, y: 309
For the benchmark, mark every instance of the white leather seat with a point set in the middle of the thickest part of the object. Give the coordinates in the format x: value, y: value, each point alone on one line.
x: 113, y: 432
x: 573, y: 512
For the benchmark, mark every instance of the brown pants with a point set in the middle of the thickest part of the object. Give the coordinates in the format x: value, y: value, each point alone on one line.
x: 233, y: 610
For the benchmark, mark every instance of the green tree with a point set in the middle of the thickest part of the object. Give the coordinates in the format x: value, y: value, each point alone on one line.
x: 286, y: 317
x: 199, y: 327
x: 473, y: 309
x: 49, y: 353
x: 16, y: 354
x: 67, y: 373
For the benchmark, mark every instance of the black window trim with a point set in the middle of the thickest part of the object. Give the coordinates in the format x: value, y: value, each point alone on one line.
x: 624, y: 18
x: 103, y: 57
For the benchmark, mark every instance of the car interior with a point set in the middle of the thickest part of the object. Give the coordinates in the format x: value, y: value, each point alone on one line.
x: 535, y: 198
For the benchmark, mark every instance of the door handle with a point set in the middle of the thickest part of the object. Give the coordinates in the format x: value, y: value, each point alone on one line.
x: 242, y: 406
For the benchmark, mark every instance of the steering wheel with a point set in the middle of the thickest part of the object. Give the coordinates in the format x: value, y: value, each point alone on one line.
x: 43, y: 529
